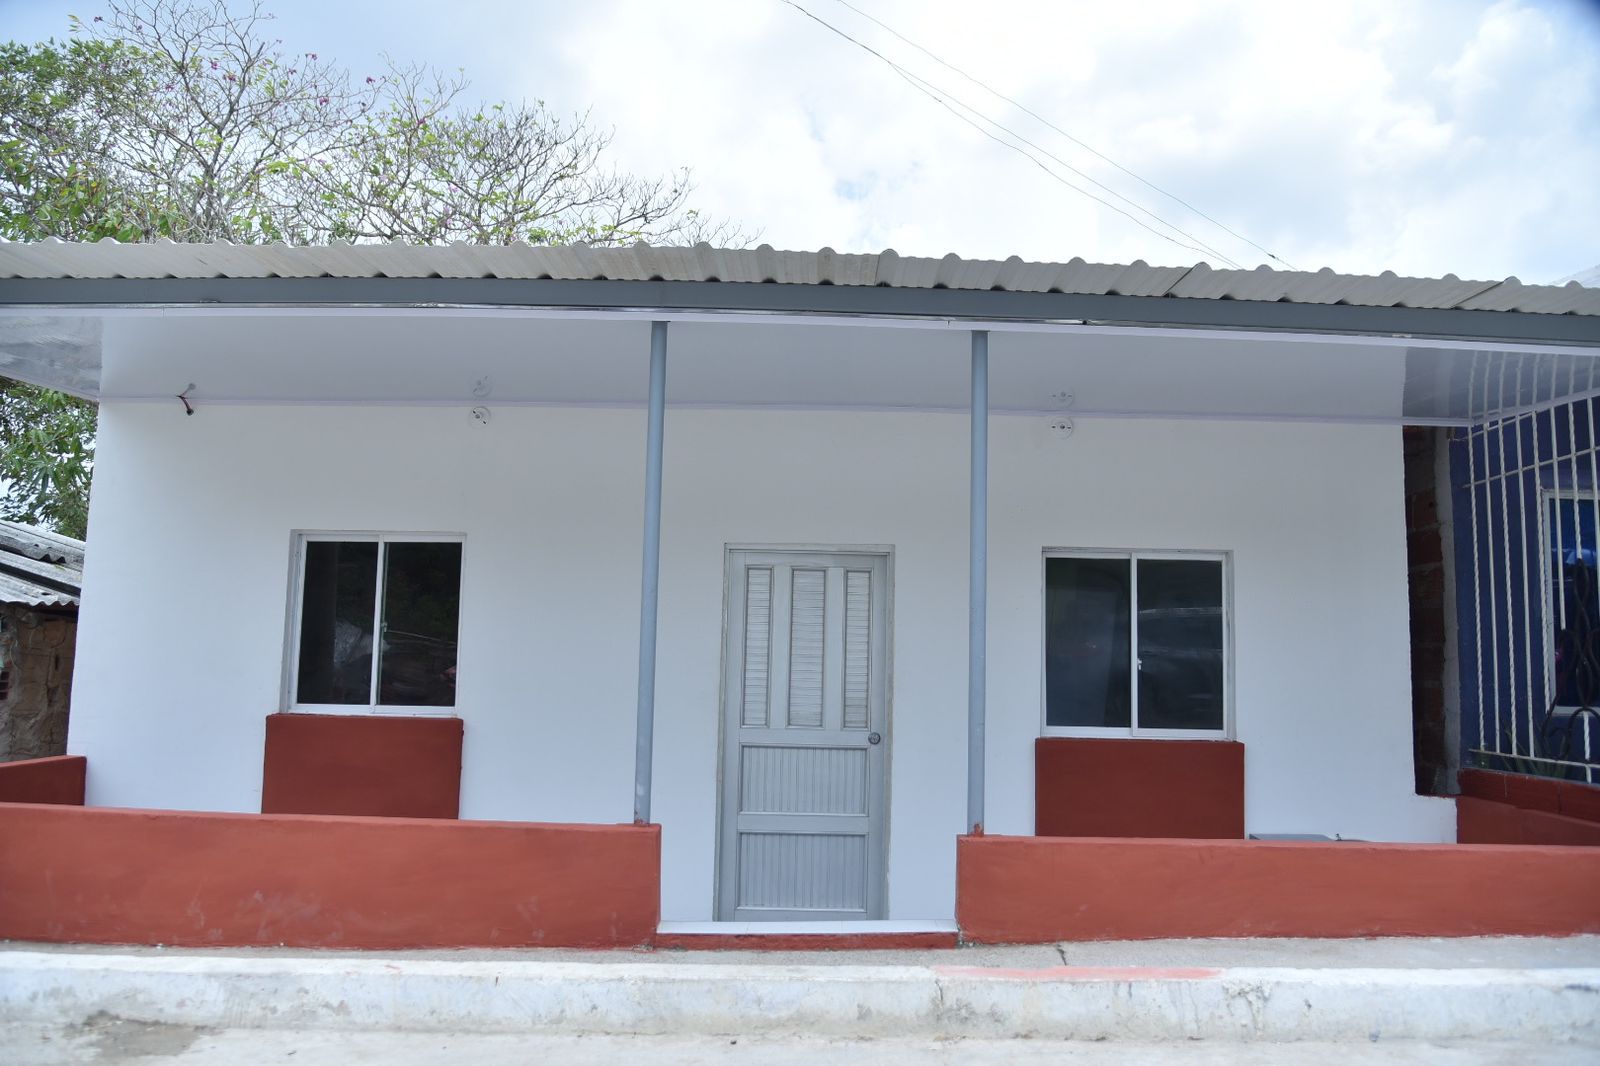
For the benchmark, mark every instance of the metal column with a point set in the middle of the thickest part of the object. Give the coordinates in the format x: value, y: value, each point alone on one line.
x: 977, y: 610
x: 644, y: 733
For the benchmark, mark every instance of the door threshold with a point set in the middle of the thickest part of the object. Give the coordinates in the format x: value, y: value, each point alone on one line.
x: 807, y: 936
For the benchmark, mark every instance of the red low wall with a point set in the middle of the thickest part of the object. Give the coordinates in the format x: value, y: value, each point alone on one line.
x: 57, y: 779
x: 1497, y: 808
x: 1486, y: 822
x: 1138, y: 788
x: 1020, y: 890
x: 1571, y: 799
x: 97, y: 875
x: 362, y: 765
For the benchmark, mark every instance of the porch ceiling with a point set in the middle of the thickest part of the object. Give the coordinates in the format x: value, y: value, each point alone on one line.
x: 505, y: 356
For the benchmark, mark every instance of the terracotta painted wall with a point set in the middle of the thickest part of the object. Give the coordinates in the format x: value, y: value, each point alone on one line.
x: 1138, y: 788
x: 362, y: 765
x: 1496, y: 808
x: 1036, y: 890
x: 57, y: 779
x: 98, y: 875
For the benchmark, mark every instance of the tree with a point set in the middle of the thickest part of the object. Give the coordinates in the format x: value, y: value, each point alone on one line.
x: 54, y: 139
x: 47, y: 458
x: 184, y: 119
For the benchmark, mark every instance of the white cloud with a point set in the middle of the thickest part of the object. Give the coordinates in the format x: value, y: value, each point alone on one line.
x: 1421, y: 138
x: 1425, y: 137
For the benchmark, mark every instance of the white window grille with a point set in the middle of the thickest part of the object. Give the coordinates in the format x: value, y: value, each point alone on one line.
x: 1530, y: 635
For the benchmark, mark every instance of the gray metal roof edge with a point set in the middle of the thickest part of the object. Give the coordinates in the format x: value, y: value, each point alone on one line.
x: 976, y: 304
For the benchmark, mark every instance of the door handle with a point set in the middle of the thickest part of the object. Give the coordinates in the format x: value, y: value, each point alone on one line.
x: 874, y: 738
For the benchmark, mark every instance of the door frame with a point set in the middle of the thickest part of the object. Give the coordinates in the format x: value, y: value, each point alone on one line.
x: 884, y: 551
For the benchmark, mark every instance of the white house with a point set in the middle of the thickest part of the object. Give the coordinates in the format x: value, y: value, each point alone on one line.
x: 338, y: 488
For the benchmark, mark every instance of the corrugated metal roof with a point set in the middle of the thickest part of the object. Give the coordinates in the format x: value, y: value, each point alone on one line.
x: 39, y: 568
x: 164, y: 259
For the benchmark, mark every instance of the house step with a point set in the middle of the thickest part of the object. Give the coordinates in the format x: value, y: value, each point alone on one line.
x: 806, y: 936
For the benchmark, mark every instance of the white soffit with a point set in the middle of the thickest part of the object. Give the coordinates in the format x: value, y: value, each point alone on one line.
x: 770, y: 362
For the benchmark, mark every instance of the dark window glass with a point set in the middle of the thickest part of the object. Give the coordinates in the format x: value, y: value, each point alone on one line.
x: 1180, y: 644
x: 1087, y: 630
x: 421, y: 611
x: 1575, y: 596
x: 336, y: 607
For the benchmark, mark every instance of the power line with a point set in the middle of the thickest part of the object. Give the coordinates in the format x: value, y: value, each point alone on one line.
x: 1040, y: 118
x: 939, y: 97
x: 945, y: 100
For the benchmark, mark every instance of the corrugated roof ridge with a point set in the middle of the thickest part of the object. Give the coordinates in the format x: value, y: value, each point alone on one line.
x: 44, y: 545
x: 53, y: 258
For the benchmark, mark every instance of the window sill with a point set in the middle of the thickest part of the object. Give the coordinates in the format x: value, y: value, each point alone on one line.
x: 1091, y: 733
x: 368, y: 711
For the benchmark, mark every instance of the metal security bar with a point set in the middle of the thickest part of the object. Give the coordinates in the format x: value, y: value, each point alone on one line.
x: 1526, y: 487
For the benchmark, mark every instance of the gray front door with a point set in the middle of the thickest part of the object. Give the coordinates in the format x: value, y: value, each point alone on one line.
x: 805, y: 737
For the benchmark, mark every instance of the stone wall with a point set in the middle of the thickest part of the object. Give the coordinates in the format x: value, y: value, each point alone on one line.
x: 36, y: 653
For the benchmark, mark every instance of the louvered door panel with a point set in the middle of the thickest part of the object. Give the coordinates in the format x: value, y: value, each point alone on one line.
x: 808, y: 602
x: 757, y: 645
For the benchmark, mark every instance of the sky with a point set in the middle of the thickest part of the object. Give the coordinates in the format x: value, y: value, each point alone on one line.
x: 1424, y: 137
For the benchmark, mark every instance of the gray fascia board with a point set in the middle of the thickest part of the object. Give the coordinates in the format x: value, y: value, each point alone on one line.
x: 689, y: 296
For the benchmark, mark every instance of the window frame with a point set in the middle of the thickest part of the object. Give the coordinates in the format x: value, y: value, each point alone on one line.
x: 1549, y: 609
x: 1134, y: 730
x: 291, y: 659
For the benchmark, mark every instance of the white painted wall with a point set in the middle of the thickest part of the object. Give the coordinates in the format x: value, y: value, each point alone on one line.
x: 182, y: 628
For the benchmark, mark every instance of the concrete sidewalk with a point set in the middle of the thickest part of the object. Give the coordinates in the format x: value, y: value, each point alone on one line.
x: 112, y: 1043
x: 1543, y: 992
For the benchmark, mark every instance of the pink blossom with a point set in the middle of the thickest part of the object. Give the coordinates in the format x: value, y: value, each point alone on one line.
x: 322, y: 99
x: 371, y: 79
x: 213, y: 64
x: 312, y: 56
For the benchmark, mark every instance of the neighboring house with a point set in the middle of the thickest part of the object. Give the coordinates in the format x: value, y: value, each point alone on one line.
x: 818, y: 562
x: 1523, y: 490
x: 40, y: 576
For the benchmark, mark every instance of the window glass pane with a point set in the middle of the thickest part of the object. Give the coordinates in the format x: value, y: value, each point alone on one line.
x: 1180, y: 644
x: 336, y: 604
x: 1575, y: 598
x: 421, y: 611
x: 1086, y: 642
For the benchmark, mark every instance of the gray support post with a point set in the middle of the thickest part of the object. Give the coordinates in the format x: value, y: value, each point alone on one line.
x: 644, y: 732
x: 977, y: 593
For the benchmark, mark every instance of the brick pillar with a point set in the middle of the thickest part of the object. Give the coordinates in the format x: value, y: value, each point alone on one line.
x: 1433, y: 749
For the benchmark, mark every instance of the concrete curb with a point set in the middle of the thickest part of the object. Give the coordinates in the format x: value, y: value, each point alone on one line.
x: 1545, y: 1005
